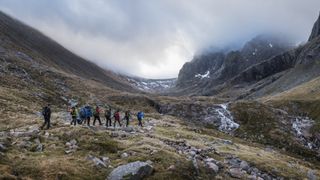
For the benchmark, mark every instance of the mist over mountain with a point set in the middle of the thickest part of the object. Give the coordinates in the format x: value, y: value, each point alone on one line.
x: 245, y: 105
x: 154, y: 39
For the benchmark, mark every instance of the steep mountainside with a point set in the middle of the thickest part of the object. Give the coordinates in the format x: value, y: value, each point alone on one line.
x: 28, y: 42
x: 189, y: 137
x: 211, y: 70
x: 315, y: 30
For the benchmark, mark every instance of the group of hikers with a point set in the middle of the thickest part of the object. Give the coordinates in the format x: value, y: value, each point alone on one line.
x: 83, y: 116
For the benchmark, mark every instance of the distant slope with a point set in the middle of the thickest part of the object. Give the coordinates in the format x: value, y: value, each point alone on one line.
x: 207, y: 72
x: 18, y: 36
x: 151, y: 85
x: 265, y: 66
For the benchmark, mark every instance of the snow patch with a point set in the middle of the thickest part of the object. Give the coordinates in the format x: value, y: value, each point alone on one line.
x: 152, y: 85
x: 270, y: 45
x: 201, y: 76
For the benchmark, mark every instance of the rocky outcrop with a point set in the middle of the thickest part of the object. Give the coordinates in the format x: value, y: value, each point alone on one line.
x: 211, y: 70
x: 131, y: 171
x: 216, y: 115
x: 315, y: 30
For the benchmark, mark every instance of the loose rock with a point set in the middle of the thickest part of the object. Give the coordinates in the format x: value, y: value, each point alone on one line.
x: 131, y: 171
x: 236, y: 173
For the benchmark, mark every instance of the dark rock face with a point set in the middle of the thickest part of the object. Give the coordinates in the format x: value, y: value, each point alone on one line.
x: 315, y: 30
x: 134, y: 170
x: 199, y: 65
x: 214, y: 69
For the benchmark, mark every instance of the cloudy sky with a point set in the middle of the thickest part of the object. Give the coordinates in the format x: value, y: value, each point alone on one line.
x: 154, y: 38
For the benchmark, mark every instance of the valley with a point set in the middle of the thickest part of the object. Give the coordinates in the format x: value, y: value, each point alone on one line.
x: 247, y: 114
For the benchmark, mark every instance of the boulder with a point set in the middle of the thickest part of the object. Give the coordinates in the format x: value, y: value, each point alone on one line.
x: 73, y: 142
x: 212, y: 166
x: 2, y: 147
x: 128, y: 129
x: 124, y: 155
x: 244, y: 166
x: 96, y: 161
x: 235, y: 173
x: 131, y: 171
x: 311, y: 175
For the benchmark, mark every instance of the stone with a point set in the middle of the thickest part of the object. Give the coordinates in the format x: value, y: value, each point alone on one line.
x: 192, y: 153
x: 244, y: 165
x: 154, y: 152
x: 68, y: 144
x: 106, y: 160
x: 234, y: 162
x: 195, y: 165
x: 124, y: 155
x: 131, y: 171
x: 69, y: 151
x: 39, y: 148
x: 128, y: 129
x: 96, y: 161
x: 212, y: 166
x: 149, y: 162
x: 114, y: 134
x: 46, y: 135
x: 2, y: 147
x: 252, y: 177
x: 73, y: 142
x: 227, y: 142
x: 172, y: 168
x: 235, y: 173
x: 311, y: 175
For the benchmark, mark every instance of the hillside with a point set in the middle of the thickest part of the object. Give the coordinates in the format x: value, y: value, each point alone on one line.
x: 252, y: 129
x: 206, y: 73
x: 25, y: 43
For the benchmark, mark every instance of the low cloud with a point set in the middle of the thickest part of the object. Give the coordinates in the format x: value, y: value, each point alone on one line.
x: 155, y: 38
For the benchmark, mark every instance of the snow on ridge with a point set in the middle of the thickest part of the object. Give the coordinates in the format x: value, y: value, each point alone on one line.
x: 201, y: 76
x: 270, y: 45
x: 152, y: 85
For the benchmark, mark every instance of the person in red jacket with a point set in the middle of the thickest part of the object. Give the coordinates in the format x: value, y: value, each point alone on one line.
x: 117, y: 118
x: 97, y: 116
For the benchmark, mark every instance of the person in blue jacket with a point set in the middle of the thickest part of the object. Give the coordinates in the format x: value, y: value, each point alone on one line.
x: 140, y: 116
x: 89, y: 114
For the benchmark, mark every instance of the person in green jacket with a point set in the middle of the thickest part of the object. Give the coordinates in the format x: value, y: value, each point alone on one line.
x: 74, y: 115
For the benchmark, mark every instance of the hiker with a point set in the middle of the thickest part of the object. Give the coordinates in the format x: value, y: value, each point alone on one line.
x: 46, y: 112
x: 74, y: 115
x: 82, y: 115
x: 116, y: 118
x: 127, y: 117
x: 88, y: 110
x: 140, y: 116
x: 108, y: 115
x: 97, y: 116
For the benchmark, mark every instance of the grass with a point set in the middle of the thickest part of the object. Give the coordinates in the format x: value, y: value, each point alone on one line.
x: 261, y: 124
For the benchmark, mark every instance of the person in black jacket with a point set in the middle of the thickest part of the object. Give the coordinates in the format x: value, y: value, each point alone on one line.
x: 46, y: 112
x: 108, y: 115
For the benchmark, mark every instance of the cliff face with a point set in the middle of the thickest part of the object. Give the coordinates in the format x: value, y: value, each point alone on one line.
x: 210, y: 70
x: 315, y: 30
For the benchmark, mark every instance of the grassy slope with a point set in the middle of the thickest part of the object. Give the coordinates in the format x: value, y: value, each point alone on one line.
x: 301, y: 99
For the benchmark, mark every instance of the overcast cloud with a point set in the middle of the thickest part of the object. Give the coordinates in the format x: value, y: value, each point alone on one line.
x: 154, y: 38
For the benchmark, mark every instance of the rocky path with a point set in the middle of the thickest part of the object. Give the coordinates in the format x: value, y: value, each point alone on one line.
x: 221, y: 158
